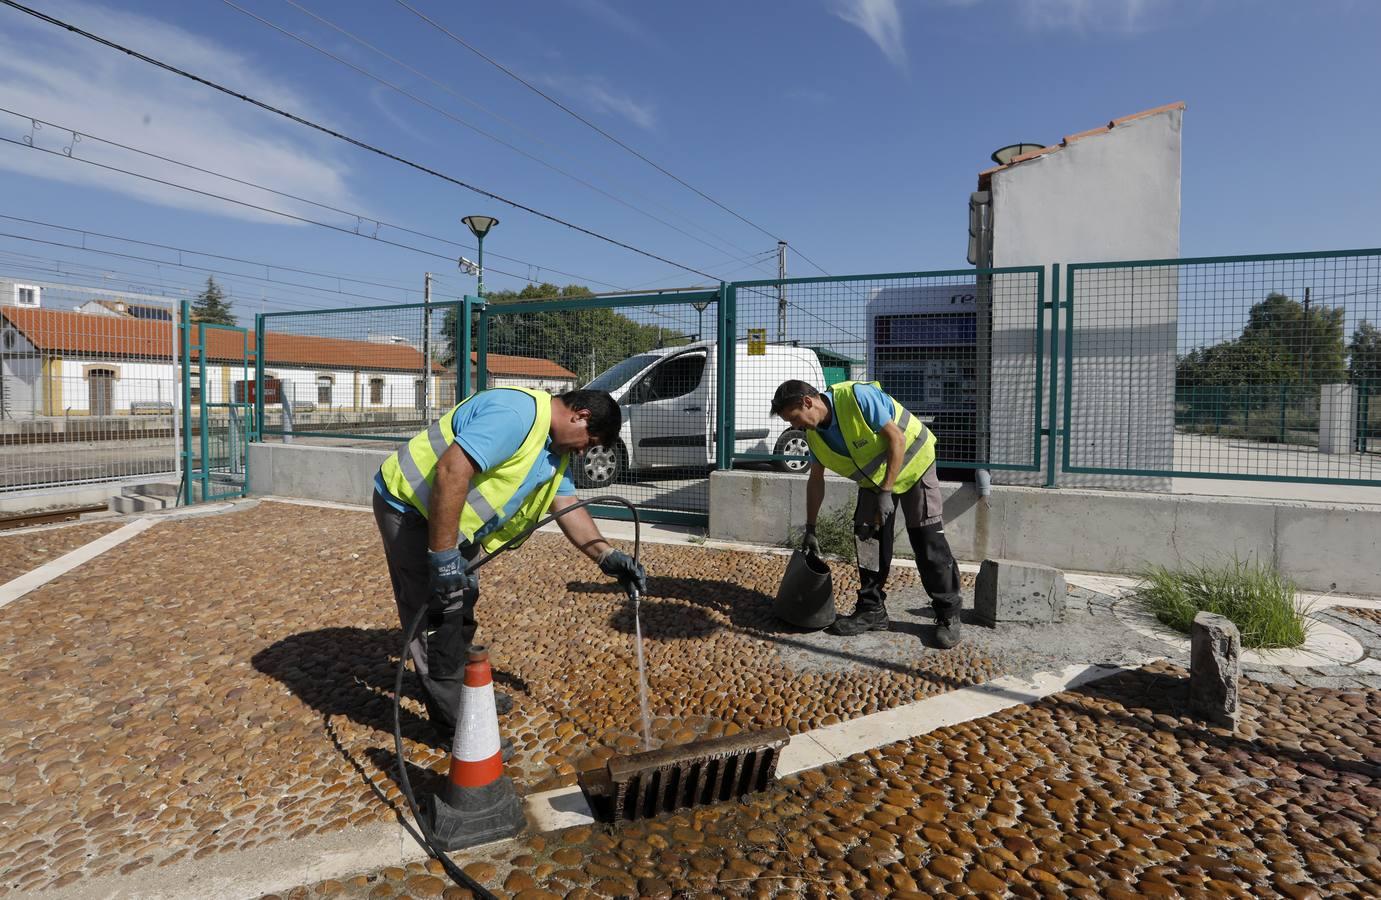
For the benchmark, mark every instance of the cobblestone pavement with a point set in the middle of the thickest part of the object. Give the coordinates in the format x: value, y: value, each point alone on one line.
x: 224, y: 681
x: 27, y: 550
x: 1110, y: 790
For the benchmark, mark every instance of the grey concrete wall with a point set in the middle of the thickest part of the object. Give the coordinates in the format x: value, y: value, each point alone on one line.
x: 1323, y: 546
x: 342, y: 474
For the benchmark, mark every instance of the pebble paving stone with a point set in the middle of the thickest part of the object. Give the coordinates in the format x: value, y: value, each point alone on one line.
x: 27, y: 550
x: 222, y: 682
x: 1111, y: 790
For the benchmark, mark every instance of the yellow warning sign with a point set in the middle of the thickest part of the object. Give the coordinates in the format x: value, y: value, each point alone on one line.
x: 757, y: 342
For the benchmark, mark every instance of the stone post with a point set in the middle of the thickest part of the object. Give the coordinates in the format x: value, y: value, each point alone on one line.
x: 1215, y: 668
x: 1337, y: 418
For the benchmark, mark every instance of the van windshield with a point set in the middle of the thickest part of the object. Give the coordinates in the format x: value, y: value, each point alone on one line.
x: 617, y: 376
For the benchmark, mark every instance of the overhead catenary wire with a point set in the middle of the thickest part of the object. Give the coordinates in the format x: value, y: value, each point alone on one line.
x: 450, y: 115
x: 341, y: 136
x: 359, y: 217
x: 277, y: 212
x: 337, y: 276
x: 578, y: 117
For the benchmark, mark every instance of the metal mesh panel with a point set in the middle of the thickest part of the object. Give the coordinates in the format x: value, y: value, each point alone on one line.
x: 353, y: 376
x: 1259, y: 367
x: 963, y: 350
x: 88, y: 388
x: 655, y: 354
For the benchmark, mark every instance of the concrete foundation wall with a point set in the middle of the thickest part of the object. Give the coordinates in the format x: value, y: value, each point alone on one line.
x: 1322, y: 546
x: 341, y: 474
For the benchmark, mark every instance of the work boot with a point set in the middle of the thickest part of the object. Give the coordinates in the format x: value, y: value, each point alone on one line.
x: 872, y: 617
x: 947, y: 630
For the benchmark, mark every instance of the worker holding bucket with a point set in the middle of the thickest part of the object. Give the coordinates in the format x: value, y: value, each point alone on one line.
x: 856, y: 430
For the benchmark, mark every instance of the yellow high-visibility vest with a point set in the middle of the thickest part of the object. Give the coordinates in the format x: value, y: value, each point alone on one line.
x: 866, y: 458
x: 410, y: 472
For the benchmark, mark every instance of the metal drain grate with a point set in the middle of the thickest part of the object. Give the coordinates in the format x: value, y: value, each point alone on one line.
x: 694, y: 774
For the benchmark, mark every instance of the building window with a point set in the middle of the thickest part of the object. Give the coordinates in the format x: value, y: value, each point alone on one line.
x: 26, y: 294
x: 323, y: 390
x: 376, y: 391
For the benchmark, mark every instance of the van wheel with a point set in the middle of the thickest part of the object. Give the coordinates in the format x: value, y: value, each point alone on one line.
x: 792, y: 443
x: 600, y: 466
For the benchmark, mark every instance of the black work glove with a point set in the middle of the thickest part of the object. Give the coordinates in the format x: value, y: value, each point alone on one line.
x: 450, y: 577
x: 810, y: 543
x: 631, y: 575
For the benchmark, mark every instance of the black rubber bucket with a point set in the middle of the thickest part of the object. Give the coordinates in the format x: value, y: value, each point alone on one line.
x: 806, y: 596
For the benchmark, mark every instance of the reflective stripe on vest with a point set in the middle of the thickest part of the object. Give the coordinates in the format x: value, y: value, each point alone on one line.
x: 409, y: 472
x: 853, y: 426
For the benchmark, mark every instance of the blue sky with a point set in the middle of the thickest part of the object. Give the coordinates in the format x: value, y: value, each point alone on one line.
x: 852, y: 128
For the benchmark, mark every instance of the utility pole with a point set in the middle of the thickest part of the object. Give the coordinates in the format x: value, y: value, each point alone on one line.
x: 781, y: 292
x: 426, y: 344
x: 1304, y: 359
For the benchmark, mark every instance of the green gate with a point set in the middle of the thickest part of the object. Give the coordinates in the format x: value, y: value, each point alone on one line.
x: 217, y: 409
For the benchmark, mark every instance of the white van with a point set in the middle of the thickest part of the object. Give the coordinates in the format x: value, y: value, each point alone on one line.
x: 667, y: 398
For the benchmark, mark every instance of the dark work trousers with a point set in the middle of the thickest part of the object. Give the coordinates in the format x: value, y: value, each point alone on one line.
x: 442, y: 645
x: 923, y: 508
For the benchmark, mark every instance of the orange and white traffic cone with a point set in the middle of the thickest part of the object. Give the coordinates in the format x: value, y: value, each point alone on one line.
x: 479, y: 803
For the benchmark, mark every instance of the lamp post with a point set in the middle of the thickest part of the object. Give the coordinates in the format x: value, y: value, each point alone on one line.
x: 700, y: 306
x: 480, y: 226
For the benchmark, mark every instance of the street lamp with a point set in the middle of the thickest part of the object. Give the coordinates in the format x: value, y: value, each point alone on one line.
x: 480, y: 226
x: 700, y: 306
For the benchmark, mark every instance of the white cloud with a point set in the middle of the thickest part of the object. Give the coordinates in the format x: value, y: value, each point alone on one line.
x: 66, y: 79
x: 597, y: 93
x: 1087, y: 15
x: 615, y: 18
x: 881, y: 21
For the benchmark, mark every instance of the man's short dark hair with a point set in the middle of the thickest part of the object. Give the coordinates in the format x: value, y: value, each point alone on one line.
x: 605, y: 417
x: 790, y: 394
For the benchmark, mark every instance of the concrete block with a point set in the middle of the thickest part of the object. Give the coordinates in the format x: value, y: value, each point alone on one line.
x: 1011, y: 591
x: 340, y: 474
x: 1215, y: 669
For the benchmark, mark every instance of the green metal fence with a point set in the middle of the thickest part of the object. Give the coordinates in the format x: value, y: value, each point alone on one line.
x: 657, y: 355
x: 962, y: 349
x: 218, y: 421
x: 361, y: 374
x: 1231, y: 367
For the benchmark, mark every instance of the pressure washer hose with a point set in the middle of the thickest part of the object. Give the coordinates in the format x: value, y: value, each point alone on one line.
x: 426, y: 839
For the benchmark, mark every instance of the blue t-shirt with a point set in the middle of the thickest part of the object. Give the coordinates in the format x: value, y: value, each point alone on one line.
x: 877, y: 412
x: 490, y: 429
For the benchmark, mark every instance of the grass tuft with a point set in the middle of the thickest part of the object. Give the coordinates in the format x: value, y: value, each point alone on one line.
x: 1256, y: 598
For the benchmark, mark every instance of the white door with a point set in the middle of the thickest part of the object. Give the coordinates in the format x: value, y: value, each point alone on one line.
x: 667, y: 409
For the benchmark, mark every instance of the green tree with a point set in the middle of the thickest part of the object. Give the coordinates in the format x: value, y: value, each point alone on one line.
x: 1364, y: 364
x: 1281, y: 343
x: 585, y: 341
x: 211, y: 306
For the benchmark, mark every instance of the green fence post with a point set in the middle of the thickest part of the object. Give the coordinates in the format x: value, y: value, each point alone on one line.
x: 183, y: 327
x: 728, y: 343
x: 482, y: 351
x: 258, y: 379
x: 463, y: 339
x: 202, y: 418
x: 1050, y: 479
x: 1069, y: 367
x: 721, y: 379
